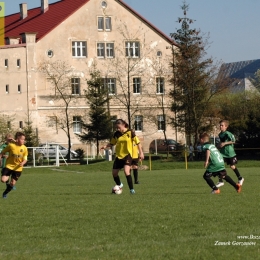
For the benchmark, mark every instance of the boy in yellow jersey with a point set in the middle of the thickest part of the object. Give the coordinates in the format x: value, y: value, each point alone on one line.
x: 14, y: 164
x: 124, y: 139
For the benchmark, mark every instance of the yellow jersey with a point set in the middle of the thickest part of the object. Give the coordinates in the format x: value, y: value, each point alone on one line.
x: 124, y: 143
x: 135, y: 151
x: 17, y: 154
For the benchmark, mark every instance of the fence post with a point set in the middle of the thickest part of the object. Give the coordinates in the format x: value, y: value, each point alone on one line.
x: 150, y: 162
x: 186, y: 160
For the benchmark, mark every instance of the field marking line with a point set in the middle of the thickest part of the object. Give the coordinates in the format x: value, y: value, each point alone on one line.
x: 59, y: 170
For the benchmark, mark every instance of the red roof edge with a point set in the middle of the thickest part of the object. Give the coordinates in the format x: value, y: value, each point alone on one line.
x: 167, y: 38
x: 66, y: 17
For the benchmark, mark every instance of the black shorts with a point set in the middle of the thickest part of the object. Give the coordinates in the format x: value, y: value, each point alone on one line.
x: 120, y: 163
x: 135, y: 161
x: 220, y: 174
x: 14, y: 174
x: 231, y: 160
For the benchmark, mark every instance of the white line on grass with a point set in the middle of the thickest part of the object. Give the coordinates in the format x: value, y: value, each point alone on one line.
x: 59, y: 170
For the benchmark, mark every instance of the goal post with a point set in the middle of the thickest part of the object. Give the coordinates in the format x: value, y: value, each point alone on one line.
x: 44, y: 157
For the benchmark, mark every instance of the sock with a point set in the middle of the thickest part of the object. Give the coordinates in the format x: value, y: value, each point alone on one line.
x: 7, y: 182
x: 129, y: 182
x: 230, y: 181
x: 135, y: 175
x: 8, y: 188
x: 237, y: 173
x: 210, y: 182
x: 117, y: 180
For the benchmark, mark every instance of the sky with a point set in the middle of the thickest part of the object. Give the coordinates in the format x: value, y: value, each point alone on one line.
x: 233, y: 25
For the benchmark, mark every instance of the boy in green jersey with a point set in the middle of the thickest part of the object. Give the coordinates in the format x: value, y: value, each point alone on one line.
x: 214, y: 165
x: 8, y: 139
x: 226, y: 146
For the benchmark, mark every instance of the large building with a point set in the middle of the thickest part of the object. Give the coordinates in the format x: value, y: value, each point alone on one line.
x: 132, y: 55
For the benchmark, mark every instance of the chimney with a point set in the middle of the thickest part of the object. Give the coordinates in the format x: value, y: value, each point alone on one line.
x: 23, y: 11
x: 44, y: 6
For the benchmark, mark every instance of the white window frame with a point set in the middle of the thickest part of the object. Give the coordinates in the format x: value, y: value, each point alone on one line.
x: 161, y: 123
x: 75, y: 86
x: 77, y: 124
x: 160, y: 85
x: 105, y: 50
x: 137, y: 85
x: 138, y: 123
x: 110, y: 49
x: 132, y: 49
x: 101, y: 50
x: 80, y: 46
x: 113, y: 120
x: 111, y: 86
x: 104, y: 23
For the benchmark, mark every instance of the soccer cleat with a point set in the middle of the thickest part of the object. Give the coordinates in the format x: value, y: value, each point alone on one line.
x: 215, y: 191
x: 121, y: 185
x: 4, y: 196
x: 137, y: 182
x: 240, y: 182
x: 219, y: 184
x: 132, y: 191
x: 14, y: 188
x: 239, y: 187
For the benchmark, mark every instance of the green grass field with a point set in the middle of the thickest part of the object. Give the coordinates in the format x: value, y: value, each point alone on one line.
x: 70, y: 213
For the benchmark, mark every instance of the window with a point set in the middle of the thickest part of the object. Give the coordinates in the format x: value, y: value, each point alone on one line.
x: 159, y: 85
x: 110, y: 50
x: 161, y: 122
x: 50, y: 53
x: 101, y: 50
x: 21, y: 124
x: 159, y: 54
x: 75, y: 86
x: 138, y: 123
x: 104, y: 23
x: 105, y: 49
x: 77, y: 124
x: 132, y: 49
x: 19, y: 88
x: 136, y: 85
x: 18, y: 63
x: 104, y: 4
x: 113, y: 120
x: 6, y: 63
x: 52, y: 121
x: 79, y: 49
x: 6, y: 89
x: 108, y: 23
x: 110, y: 83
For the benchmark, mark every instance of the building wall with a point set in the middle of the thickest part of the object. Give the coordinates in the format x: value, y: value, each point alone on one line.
x: 82, y: 26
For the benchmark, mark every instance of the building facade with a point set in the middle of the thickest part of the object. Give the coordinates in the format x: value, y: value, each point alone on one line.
x: 132, y: 55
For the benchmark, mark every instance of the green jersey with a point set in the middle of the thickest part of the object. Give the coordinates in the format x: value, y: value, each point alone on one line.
x: 227, y: 151
x: 2, y: 147
x: 216, y: 161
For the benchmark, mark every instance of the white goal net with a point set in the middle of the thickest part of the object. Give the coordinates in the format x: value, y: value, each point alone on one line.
x: 45, y: 156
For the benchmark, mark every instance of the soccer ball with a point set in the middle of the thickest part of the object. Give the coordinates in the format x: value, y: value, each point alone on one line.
x: 117, y: 190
